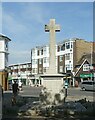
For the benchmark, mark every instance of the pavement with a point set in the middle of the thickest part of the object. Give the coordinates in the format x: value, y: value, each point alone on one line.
x: 25, y: 93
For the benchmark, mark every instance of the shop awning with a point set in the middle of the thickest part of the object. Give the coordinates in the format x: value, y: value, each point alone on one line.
x: 86, y: 75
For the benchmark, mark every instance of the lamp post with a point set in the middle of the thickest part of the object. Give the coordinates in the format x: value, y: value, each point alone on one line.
x: 66, y: 86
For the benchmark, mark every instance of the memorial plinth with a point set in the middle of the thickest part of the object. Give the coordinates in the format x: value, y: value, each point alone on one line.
x: 52, y: 81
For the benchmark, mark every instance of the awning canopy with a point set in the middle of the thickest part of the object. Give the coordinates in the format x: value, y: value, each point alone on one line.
x: 86, y: 75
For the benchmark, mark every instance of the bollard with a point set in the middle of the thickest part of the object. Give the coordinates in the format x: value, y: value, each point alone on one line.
x: 66, y: 87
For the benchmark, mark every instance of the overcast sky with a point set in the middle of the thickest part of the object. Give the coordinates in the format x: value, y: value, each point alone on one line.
x: 23, y: 23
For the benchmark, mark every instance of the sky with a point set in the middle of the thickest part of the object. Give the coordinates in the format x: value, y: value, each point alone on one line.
x: 23, y: 23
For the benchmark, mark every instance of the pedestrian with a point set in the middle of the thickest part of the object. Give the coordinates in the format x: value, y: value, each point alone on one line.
x: 2, y: 92
x: 13, y: 100
x: 15, y: 88
x: 20, y: 85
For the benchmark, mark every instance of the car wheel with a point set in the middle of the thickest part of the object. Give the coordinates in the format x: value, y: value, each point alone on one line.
x: 83, y: 88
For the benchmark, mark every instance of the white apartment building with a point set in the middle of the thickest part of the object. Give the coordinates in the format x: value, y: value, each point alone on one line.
x: 4, y: 52
x: 40, y: 57
x: 21, y: 71
x: 4, y: 60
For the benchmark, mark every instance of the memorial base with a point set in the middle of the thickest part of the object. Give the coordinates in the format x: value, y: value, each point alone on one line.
x: 54, y: 85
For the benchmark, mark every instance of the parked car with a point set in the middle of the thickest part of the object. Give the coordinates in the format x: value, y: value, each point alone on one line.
x: 88, y: 85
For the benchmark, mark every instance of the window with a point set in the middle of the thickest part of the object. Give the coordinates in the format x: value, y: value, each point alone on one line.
x: 33, y: 52
x: 68, y: 67
x: 44, y: 69
x: 38, y: 52
x: 33, y: 70
x: 29, y: 65
x: 40, y: 70
x: 40, y: 61
x: 68, y: 45
x: 6, y: 57
x: 6, y: 45
x: 67, y: 56
x: 61, y: 68
x: 45, y: 60
x: 58, y: 48
x: 63, y: 47
x: 86, y: 67
x: 71, y: 44
x: 42, y: 52
x: 34, y: 61
x: 61, y: 58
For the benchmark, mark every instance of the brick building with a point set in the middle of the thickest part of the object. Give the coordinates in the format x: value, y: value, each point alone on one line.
x: 85, y: 68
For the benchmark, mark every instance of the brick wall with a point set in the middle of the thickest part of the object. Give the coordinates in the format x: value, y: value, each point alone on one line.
x: 81, y: 48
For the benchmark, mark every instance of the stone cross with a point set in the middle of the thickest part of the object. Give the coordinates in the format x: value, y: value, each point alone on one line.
x: 52, y: 28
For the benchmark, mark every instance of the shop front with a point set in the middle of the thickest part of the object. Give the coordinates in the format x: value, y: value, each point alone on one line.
x: 89, y: 76
x: 4, y: 80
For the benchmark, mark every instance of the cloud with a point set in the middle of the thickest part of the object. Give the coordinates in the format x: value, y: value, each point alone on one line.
x: 24, y: 24
x: 12, y: 25
x: 16, y: 29
x: 34, y: 12
x: 19, y: 57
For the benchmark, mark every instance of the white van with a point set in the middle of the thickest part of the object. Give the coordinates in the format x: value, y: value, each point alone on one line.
x: 88, y: 85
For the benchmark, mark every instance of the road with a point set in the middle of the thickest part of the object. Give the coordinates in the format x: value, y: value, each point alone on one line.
x: 77, y: 93
x: 73, y: 93
x: 29, y: 91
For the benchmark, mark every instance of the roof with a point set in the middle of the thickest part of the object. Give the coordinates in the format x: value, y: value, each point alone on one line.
x: 4, y: 37
x: 88, y: 57
x: 85, y: 58
x: 19, y: 64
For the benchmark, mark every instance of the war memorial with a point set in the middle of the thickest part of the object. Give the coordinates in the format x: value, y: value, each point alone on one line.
x: 52, y: 81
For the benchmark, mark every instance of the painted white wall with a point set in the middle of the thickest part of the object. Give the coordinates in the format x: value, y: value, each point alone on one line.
x: 3, y: 54
x: 2, y: 61
x: 2, y: 45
